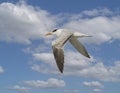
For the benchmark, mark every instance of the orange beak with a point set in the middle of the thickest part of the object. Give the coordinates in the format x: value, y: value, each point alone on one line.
x: 49, y: 33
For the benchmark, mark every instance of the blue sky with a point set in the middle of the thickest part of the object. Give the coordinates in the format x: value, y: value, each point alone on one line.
x: 26, y: 60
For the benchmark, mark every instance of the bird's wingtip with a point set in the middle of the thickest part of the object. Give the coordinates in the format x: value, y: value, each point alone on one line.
x: 88, y: 56
x: 61, y: 71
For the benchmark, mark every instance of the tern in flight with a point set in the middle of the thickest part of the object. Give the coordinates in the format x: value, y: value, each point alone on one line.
x: 65, y: 35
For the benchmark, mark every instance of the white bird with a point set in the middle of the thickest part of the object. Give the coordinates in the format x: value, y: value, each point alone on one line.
x: 57, y: 45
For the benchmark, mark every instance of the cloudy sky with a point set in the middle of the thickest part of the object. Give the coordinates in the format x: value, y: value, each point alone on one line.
x: 26, y: 60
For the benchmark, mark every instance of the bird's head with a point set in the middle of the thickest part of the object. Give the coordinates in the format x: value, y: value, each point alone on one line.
x: 56, y: 32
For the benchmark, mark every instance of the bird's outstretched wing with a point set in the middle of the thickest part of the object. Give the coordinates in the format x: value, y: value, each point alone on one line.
x: 59, y: 57
x: 58, y: 52
x: 75, y: 42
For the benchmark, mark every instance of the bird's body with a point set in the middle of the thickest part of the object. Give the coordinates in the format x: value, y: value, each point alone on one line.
x: 57, y: 45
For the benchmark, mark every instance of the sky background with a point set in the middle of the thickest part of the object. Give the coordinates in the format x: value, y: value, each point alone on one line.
x: 26, y: 60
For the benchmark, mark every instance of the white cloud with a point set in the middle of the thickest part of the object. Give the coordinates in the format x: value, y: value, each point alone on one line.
x: 50, y: 83
x: 96, y: 23
x: 97, y: 12
x: 97, y: 70
x: 93, y: 84
x: 96, y: 90
x: 19, y: 88
x: 71, y: 91
x: 45, y: 57
x: 1, y: 69
x: 81, y: 66
x: 22, y: 23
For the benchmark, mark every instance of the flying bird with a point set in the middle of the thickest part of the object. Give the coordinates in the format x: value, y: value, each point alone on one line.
x: 65, y: 35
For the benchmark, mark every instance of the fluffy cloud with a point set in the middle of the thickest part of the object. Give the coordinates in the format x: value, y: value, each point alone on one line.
x: 102, y: 72
x: 50, y: 83
x: 96, y: 85
x: 22, y: 23
x: 71, y: 91
x: 102, y: 28
x: 95, y: 70
x: 1, y: 69
x: 81, y: 66
x: 45, y: 57
x: 93, y: 84
x: 96, y: 90
x: 19, y: 88
x: 97, y: 12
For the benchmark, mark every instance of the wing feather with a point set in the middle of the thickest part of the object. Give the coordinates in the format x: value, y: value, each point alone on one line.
x: 75, y: 42
x: 59, y: 57
x: 58, y: 52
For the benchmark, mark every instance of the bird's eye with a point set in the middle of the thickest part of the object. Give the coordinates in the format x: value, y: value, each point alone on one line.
x: 54, y: 30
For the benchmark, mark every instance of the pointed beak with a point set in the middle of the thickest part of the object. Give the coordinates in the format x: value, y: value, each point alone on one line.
x: 49, y: 33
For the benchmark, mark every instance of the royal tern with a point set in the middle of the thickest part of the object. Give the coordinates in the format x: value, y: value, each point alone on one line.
x: 57, y: 45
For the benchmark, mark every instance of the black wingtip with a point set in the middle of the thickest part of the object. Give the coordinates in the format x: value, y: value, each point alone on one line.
x: 61, y: 70
x: 88, y: 56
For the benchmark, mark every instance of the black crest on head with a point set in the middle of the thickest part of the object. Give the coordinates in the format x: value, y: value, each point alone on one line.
x: 54, y: 30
